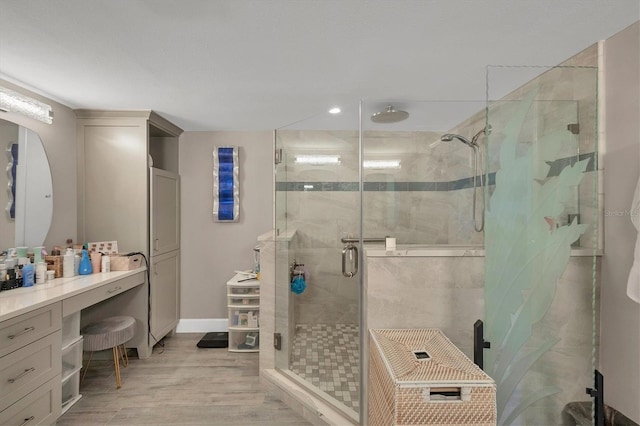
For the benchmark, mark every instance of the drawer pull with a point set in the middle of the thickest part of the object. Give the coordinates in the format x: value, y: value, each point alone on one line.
x: 113, y: 290
x: 27, y: 420
x: 19, y: 376
x: 26, y: 330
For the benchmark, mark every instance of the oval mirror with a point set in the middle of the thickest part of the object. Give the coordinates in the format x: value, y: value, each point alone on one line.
x: 28, y: 198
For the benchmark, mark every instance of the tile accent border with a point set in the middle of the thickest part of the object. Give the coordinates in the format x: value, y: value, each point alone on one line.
x: 555, y: 167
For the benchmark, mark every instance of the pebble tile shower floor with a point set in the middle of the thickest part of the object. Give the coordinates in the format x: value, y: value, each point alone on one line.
x: 327, y: 357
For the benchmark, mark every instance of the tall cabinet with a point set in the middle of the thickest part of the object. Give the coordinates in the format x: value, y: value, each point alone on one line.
x: 129, y: 191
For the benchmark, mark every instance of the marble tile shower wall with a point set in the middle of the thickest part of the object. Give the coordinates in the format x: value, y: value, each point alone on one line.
x: 448, y: 293
x: 429, y: 199
x: 426, y: 201
x: 567, y: 94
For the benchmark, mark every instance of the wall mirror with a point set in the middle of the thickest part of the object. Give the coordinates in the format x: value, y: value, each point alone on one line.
x: 26, y: 190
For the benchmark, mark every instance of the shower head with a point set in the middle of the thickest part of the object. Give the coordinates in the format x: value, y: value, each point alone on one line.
x: 451, y: 136
x: 473, y: 143
x: 390, y: 115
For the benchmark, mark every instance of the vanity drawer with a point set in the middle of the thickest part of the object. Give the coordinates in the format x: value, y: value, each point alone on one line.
x: 42, y: 406
x: 91, y: 297
x: 24, y: 329
x: 27, y: 368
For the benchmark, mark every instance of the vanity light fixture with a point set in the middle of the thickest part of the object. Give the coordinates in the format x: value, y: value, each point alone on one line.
x: 11, y: 101
x: 381, y: 164
x: 317, y: 159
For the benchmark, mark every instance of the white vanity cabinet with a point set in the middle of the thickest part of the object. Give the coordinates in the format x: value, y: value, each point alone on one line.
x: 30, y: 348
x: 40, y: 342
x: 129, y: 191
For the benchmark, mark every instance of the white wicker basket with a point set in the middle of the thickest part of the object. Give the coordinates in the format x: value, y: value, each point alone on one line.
x: 418, y: 377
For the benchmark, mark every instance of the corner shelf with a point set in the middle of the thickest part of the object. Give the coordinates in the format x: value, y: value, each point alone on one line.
x: 243, y: 305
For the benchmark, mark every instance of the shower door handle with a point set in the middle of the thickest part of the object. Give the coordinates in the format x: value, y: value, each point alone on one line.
x: 350, y: 251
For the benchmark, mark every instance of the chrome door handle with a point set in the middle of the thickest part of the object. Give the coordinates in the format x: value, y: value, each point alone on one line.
x: 350, y: 251
x: 26, y: 330
x: 19, y: 376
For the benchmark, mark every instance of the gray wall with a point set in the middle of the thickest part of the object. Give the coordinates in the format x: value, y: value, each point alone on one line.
x: 620, y: 324
x: 211, y: 250
x: 59, y: 141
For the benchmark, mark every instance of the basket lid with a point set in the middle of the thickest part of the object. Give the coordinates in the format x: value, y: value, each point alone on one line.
x: 425, y: 355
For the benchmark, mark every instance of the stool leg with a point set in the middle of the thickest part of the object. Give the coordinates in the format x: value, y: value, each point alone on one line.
x: 116, y: 362
x: 87, y: 367
x: 125, y: 357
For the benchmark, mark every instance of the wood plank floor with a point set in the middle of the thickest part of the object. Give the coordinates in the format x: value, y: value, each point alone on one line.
x: 179, y: 384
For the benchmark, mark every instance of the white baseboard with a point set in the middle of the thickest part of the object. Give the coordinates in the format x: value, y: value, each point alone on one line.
x: 202, y: 325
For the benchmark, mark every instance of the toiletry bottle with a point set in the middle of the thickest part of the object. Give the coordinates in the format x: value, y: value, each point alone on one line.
x: 3, y: 276
x: 85, y: 264
x: 11, y: 279
x: 41, y: 272
x: 96, y: 261
x: 76, y: 260
x: 19, y: 279
x: 28, y: 275
x: 68, y: 264
x: 106, y: 263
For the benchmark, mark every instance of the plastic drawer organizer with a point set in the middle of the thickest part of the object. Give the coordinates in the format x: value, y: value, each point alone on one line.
x: 71, y: 360
x: 243, y: 303
x: 417, y: 376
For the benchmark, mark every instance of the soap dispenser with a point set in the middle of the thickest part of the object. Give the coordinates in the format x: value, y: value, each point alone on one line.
x: 28, y: 275
x: 85, y: 264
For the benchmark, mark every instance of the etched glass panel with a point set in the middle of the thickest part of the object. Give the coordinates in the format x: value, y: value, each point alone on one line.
x: 541, y: 220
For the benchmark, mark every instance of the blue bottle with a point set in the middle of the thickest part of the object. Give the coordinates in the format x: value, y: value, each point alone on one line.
x: 28, y: 275
x: 85, y: 267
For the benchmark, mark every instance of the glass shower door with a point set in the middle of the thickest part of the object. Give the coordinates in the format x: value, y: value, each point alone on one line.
x: 540, y: 242
x: 318, y: 205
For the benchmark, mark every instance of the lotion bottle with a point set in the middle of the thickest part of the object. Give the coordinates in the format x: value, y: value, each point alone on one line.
x: 68, y: 264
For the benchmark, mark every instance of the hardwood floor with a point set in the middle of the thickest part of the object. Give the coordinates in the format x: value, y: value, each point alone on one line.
x: 179, y: 385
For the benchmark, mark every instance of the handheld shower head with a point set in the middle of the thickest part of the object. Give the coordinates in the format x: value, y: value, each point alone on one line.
x: 448, y: 137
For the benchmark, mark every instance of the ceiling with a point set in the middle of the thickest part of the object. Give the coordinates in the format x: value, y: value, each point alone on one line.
x: 263, y: 64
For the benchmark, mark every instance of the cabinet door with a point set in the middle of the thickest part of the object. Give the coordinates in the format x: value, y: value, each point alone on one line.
x: 165, y: 211
x: 165, y: 294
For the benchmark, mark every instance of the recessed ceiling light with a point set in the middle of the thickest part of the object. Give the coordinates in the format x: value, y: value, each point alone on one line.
x: 334, y: 110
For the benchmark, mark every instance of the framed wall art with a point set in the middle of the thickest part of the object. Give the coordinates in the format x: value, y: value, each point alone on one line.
x: 226, y: 184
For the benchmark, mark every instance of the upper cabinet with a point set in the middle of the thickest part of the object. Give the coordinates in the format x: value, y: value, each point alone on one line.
x: 129, y: 191
x: 115, y: 151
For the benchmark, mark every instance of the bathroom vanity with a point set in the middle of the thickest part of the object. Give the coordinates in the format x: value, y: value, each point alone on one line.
x: 41, y: 345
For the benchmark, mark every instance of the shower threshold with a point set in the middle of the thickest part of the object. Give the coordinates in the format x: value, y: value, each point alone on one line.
x: 309, y: 401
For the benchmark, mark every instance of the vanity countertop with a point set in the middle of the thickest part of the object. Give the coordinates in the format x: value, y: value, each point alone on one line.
x: 25, y: 299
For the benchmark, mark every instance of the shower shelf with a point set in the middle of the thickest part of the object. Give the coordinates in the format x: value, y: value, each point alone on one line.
x: 243, y: 304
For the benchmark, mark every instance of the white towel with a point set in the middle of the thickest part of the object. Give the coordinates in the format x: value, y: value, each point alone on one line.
x: 633, y: 285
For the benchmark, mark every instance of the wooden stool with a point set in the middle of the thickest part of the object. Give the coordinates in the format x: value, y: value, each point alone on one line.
x: 111, y: 332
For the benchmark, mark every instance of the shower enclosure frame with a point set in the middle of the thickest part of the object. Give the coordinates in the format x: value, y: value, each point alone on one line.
x: 364, y: 232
